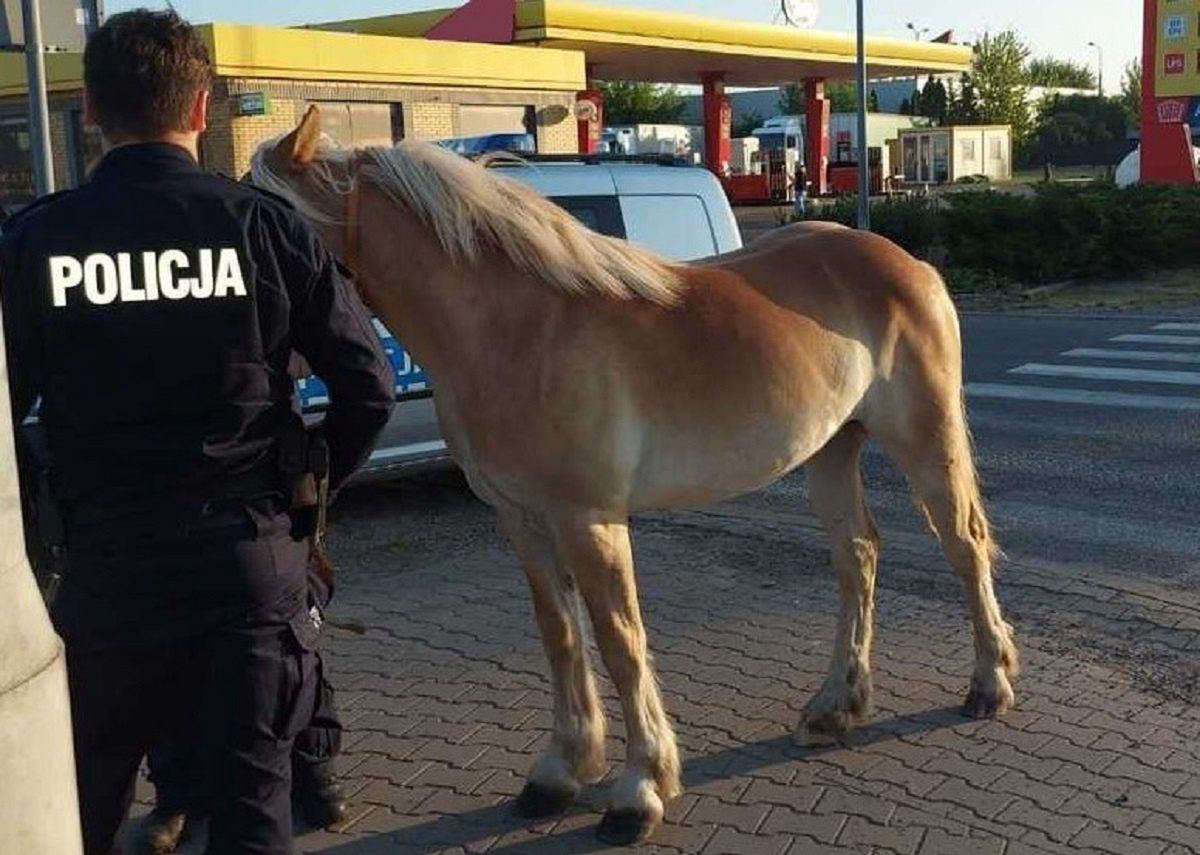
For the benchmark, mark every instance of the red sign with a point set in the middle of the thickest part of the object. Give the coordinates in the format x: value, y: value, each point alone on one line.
x: 1174, y: 63
x: 1172, y: 111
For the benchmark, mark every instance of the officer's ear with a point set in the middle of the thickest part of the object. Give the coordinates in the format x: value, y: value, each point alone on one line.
x: 299, y: 148
x: 198, y: 121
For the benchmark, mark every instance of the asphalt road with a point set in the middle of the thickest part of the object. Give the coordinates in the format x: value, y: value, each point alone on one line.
x: 1092, y: 478
x: 1082, y: 460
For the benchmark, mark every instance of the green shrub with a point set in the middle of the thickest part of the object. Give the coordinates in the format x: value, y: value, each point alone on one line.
x: 983, y: 239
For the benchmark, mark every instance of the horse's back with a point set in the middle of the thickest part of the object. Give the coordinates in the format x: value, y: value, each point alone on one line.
x: 840, y: 277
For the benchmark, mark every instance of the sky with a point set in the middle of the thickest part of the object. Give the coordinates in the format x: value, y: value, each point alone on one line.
x: 1059, y: 28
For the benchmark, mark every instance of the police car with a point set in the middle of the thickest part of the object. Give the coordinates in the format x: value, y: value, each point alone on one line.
x: 677, y: 210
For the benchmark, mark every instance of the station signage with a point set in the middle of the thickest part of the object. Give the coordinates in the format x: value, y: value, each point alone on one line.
x: 1177, y: 64
x: 253, y: 104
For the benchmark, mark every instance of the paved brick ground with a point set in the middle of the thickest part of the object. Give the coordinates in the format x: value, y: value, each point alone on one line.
x: 446, y: 702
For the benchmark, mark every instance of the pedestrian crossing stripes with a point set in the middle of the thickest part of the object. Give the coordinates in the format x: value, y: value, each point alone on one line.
x: 1132, y: 375
x: 1106, y: 377
x: 1139, y: 338
x: 1083, y: 396
x: 1134, y: 355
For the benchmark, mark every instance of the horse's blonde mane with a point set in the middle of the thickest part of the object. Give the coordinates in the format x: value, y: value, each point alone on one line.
x: 472, y: 209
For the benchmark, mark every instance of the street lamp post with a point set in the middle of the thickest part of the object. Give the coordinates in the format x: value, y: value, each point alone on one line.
x: 917, y: 31
x: 864, y: 169
x: 1099, y: 67
x: 39, y: 109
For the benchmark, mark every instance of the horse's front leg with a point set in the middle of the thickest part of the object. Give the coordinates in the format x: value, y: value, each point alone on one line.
x: 599, y: 554
x: 576, y: 751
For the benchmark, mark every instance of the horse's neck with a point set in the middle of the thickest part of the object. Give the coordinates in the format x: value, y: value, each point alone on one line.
x: 439, y: 309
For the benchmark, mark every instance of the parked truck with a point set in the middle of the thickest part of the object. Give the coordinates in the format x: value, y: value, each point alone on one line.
x: 686, y: 141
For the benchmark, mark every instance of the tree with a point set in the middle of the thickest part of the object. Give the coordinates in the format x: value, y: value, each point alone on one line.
x: 1131, y: 92
x: 934, y: 103
x: 792, y: 101
x: 633, y: 103
x: 1059, y: 74
x: 746, y: 125
x: 964, y: 105
x: 998, y: 76
x: 842, y: 95
x: 1072, y: 120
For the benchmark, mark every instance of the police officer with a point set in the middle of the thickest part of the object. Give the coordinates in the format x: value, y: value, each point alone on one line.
x: 153, y: 310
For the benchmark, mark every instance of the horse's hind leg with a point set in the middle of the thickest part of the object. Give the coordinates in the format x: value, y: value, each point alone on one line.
x: 934, y: 451
x: 836, y: 493
x: 599, y: 554
x: 576, y: 750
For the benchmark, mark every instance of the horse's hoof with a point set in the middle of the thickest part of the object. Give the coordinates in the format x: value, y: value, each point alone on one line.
x: 989, y: 697
x: 538, y: 802
x: 625, y: 827
x: 983, y: 705
x: 823, y: 726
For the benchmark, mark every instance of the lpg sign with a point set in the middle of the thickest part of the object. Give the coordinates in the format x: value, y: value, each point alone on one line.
x: 1170, y: 89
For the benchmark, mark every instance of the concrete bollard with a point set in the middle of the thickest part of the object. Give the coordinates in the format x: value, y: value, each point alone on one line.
x: 39, y: 810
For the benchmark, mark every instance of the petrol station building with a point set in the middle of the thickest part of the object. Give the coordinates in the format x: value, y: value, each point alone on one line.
x: 661, y: 47
x: 489, y: 66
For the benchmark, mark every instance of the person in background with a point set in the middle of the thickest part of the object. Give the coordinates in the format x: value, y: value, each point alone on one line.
x: 801, y: 190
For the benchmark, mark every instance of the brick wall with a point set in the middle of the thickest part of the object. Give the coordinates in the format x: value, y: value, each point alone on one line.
x: 558, y: 135
x: 430, y: 120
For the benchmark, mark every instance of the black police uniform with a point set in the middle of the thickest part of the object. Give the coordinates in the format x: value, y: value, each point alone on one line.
x: 175, y: 763
x: 154, y: 310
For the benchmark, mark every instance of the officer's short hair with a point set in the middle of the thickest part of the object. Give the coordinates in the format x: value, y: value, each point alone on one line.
x: 143, y: 70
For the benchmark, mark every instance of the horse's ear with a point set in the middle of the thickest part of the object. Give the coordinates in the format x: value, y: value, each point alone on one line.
x: 299, y: 148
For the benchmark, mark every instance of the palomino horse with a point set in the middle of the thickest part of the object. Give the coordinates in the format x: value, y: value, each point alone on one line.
x: 580, y: 379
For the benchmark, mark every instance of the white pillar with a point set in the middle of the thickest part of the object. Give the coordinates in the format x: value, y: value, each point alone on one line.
x: 39, y: 811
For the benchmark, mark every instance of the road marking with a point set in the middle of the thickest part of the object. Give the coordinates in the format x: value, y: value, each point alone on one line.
x: 1100, y: 372
x: 1082, y: 396
x: 1140, y: 338
x: 1179, y: 327
x: 1134, y: 355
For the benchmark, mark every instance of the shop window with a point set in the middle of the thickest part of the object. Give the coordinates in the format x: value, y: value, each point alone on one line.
x: 16, y: 163
x: 356, y: 124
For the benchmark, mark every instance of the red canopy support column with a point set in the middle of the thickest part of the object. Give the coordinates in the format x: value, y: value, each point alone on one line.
x: 816, y: 136
x: 1167, y: 154
x: 589, y: 115
x: 718, y: 124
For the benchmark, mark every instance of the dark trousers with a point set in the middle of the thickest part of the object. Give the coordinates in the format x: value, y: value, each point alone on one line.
x: 199, y: 625
x: 176, y: 761
x: 245, y: 688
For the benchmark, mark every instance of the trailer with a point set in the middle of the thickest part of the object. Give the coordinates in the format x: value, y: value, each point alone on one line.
x: 677, y: 140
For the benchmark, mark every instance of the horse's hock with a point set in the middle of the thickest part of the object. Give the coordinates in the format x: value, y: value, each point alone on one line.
x: 38, y: 808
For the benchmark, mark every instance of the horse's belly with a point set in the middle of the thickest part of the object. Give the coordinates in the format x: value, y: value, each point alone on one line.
x: 697, y: 465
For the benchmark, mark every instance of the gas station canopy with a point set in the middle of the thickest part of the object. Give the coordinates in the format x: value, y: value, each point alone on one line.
x: 663, y: 47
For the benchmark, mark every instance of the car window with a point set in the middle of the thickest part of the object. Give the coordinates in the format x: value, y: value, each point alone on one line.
x: 674, y: 226
x: 598, y: 213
